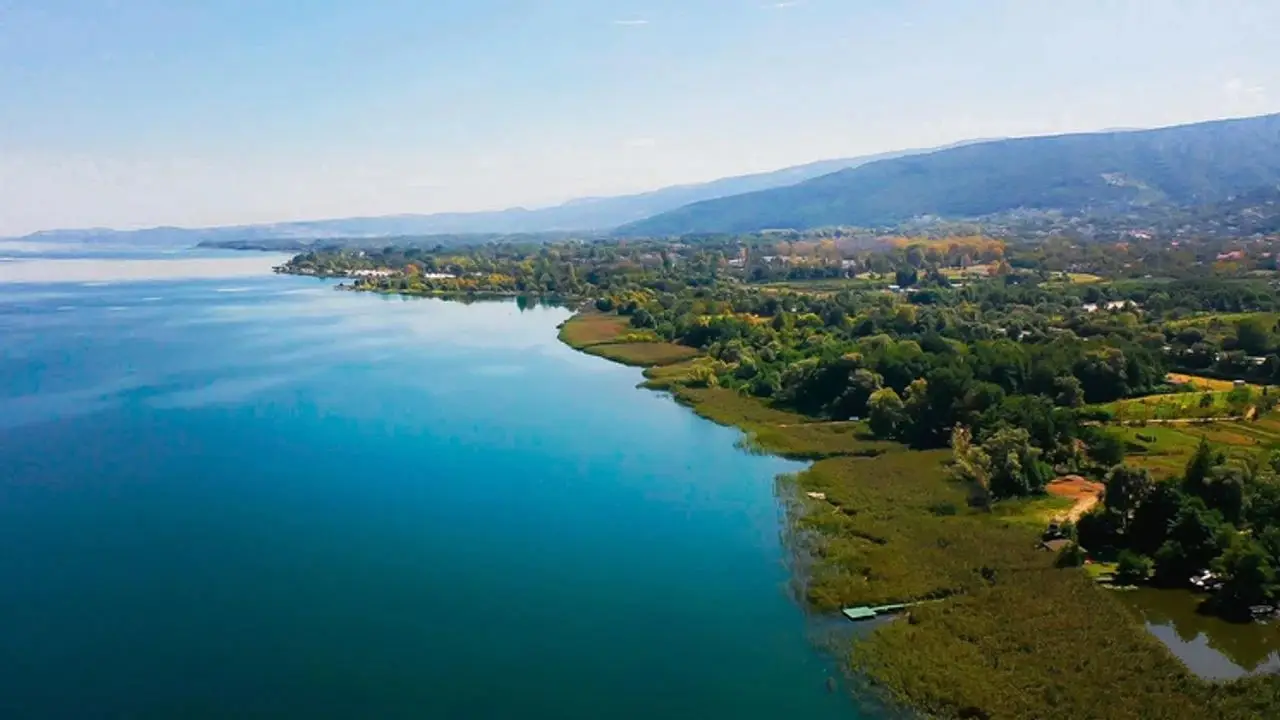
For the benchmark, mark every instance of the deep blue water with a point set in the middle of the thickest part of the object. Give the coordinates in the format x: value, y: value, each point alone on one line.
x: 257, y: 496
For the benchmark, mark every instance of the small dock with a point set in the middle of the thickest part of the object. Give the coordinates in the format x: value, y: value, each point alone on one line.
x: 867, y: 612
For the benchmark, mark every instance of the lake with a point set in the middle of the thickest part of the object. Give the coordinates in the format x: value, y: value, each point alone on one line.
x: 225, y: 493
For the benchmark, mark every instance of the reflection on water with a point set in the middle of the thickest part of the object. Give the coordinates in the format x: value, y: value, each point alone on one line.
x: 1209, y: 646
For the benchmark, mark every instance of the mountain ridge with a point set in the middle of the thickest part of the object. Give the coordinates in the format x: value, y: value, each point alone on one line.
x: 587, y: 214
x: 1181, y: 165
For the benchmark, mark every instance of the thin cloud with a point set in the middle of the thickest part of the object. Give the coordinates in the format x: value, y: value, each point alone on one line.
x: 1238, y: 89
x: 785, y: 4
x: 641, y: 142
x: 631, y: 23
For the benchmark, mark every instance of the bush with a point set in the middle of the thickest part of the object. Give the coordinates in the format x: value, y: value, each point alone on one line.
x: 1071, y: 556
x: 1097, y: 531
x: 1132, y: 568
x: 1096, y: 414
x: 1106, y: 448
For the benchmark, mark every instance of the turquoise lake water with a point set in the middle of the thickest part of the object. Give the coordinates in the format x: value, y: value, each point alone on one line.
x: 230, y: 494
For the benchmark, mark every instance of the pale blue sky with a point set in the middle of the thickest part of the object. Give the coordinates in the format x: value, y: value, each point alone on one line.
x: 131, y: 113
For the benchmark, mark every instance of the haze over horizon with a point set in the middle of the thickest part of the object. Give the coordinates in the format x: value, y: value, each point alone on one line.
x: 135, y: 113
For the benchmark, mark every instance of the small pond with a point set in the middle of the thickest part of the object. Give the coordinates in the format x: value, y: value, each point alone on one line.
x: 1210, y: 647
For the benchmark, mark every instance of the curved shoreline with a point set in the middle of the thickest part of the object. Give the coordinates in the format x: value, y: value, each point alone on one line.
x: 887, y: 527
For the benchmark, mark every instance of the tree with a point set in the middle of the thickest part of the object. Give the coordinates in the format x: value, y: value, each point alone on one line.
x: 1096, y: 530
x: 1071, y: 556
x: 885, y: 413
x: 1126, y: 489
x: 1132, y: 568
x: 862, y: 384
x: 1225, y: 492
x: 1196, y: 536
x: 642, y: 319
x: 1015, y: 466
x: 1248, y: 578
x: 1253, y: 335
x: 1202, y: 462
x: 703, y: 376
x: 970, y: 463
x: 916, y: 408
x: 1150, y: 525
x: 1239, y: 399
x: 1068, y: 392
x: 1105, y: 448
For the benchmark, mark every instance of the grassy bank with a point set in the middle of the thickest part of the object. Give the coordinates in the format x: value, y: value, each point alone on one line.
x: 610, y: 337
x: 1013, y: 637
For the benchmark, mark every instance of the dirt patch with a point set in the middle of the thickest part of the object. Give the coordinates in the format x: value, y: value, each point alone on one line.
x: 1085, y: 493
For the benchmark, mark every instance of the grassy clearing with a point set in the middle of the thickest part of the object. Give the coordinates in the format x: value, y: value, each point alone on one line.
x: 586, y: 329
x: 642, y: 354
x: 1035, y: 643
x: 826, y: 286
x: 1016, y: 637
x: 973, y: 271
x: 664, y: 377
x: 1070, y: 278
x: 611, y: 337
x: 1165, y: 449
x: 1084, y: 278
x: 778, y: 431
x: 1175, y: 406
x: 1201, y: 383
x: 894, y: 528
x: 1217, y: 326
x: 1035, y: 513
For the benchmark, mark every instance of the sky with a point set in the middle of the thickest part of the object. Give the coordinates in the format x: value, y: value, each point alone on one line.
x: 137, y: 113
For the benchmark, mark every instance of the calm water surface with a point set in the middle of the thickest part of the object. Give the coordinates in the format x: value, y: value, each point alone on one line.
x: 232, y: 494
x: 1209, y: 646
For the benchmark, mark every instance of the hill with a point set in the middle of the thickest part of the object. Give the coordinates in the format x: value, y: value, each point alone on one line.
x: 586, y: 214
x: 1181, y: 166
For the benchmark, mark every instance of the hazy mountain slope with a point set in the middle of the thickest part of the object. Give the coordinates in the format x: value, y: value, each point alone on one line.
x: 582, y: 215
x: 1177, y: 166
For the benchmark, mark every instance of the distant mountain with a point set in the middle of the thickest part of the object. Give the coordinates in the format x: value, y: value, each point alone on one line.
x: 1179, y: 166
x: 586, y: 214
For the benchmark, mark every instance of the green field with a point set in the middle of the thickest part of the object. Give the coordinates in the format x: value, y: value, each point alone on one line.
x: 828, y: 285
x: 965, y: 273
x: 642, y: 354
x: 1217, y: 326
x: 778, y: 431
x: 1165, y: 449
x: 1063, y: 279
x: 611, y: 337
x: 1015, y: 637
x: 587, y: 329
x: 1177, y: 406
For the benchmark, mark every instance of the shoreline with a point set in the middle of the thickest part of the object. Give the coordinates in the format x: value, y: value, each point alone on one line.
x: 953, y: 658
x: 879, y: 523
